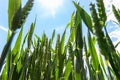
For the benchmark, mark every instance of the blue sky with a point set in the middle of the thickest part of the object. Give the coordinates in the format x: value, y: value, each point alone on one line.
x: 53, y: 14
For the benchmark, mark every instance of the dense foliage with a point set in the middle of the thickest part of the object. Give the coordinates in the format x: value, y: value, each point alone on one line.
x: 77, y: 58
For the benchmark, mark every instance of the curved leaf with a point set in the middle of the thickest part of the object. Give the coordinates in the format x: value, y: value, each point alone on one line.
x: 85, y: 16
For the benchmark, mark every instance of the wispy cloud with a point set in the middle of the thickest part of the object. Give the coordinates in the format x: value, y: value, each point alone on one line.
x: 108, y: 6
x: 3, y: 28
x: 116, y: 34
x: 50, y: 7
x: 60, y: 29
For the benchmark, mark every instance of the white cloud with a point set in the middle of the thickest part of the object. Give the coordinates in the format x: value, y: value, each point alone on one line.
x: 116, y: 34
x: 50, y: 7
x: 60, y: 29
x: 3, y: 28
x: 108, y: 6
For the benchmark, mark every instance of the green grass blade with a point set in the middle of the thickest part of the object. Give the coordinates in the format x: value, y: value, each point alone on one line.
x: 68, y: 70
x: 63, y: 42
x: 93, y: 51
x: 16, y: 48
x: 53, y: 35
x: 30, y: 35
x: 5, y: 50
x: 85, y: 16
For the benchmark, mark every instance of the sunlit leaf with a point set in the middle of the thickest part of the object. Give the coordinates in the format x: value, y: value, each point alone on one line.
x: 16, y: 48
x: 68, y: 70
x: 85, y: 16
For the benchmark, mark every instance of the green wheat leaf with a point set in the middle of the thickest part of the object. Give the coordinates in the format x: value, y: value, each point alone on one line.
x: 93, y: 51
x: 16, y: 48
x: 63, y: 41
x: 85, y: 16
x: 68, y: 70
x: 30, y: 35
